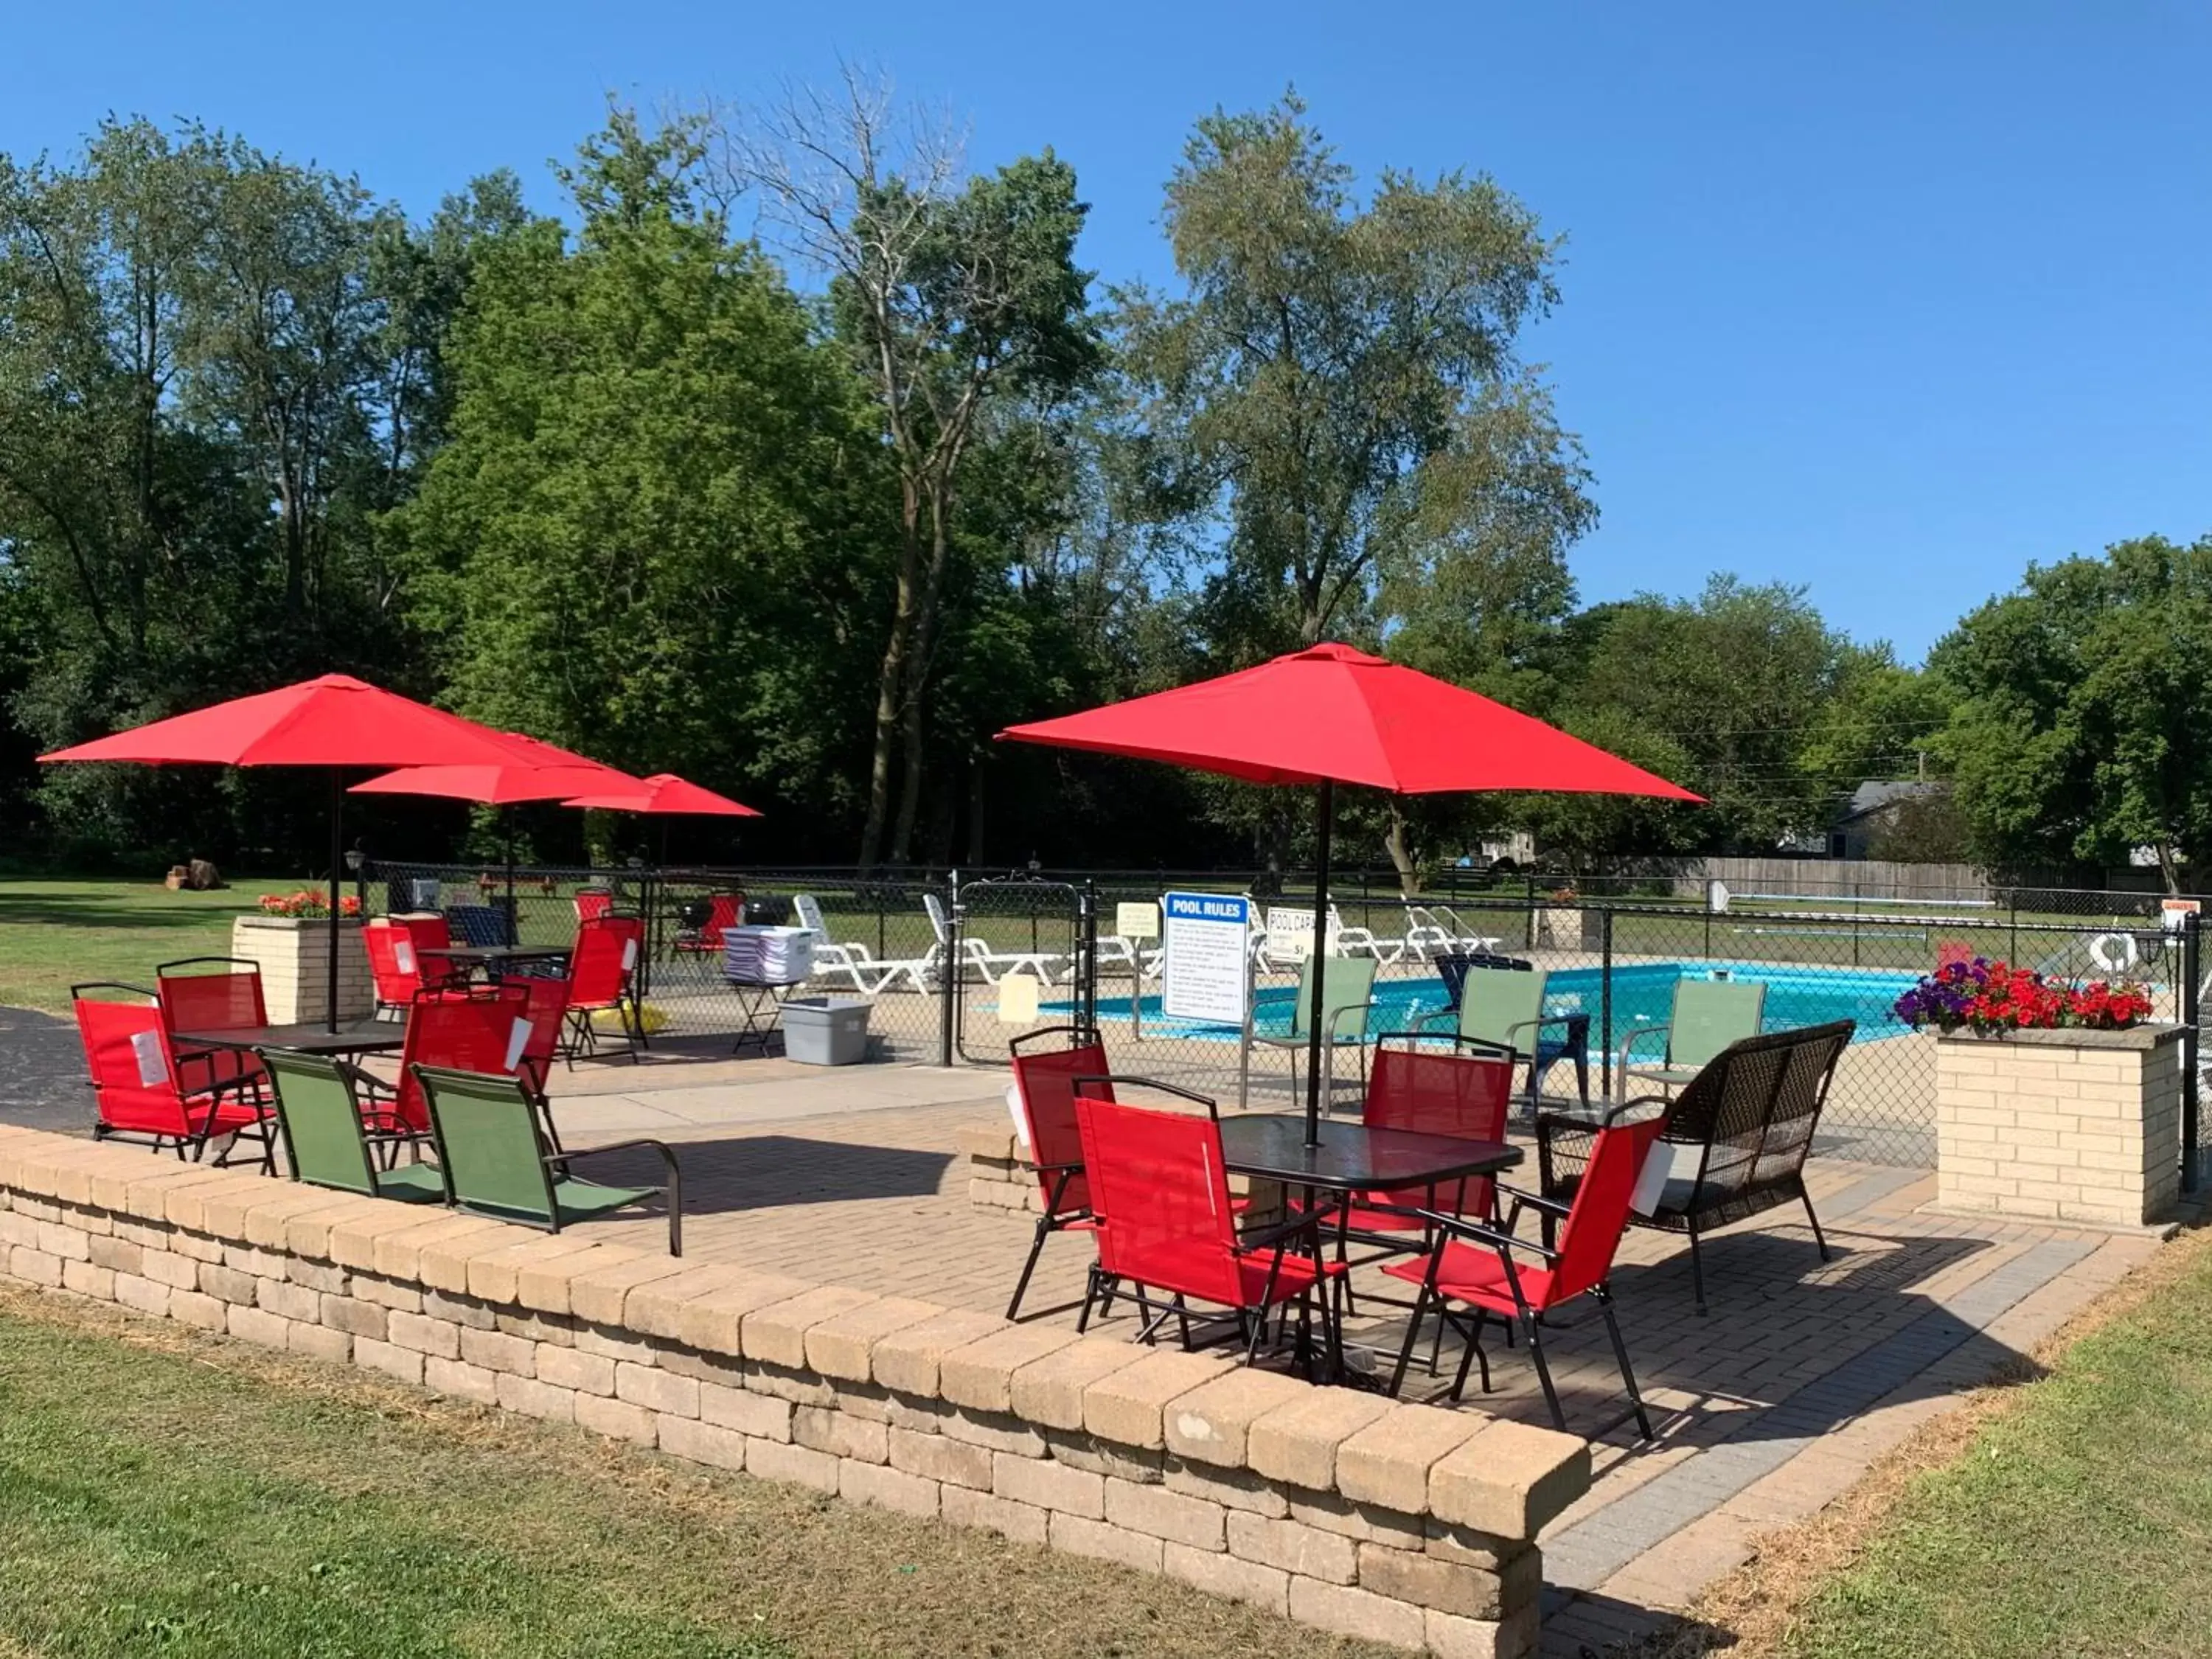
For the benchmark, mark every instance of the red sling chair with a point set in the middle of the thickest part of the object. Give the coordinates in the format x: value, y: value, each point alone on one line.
x: 545, y: 1005
x: 1159, y: 1192
x: 485, y: 1030
x: 1044, y: 1084
x: 603, y: 974
x: 1461, y: 1088
x: 208, y: 993
x: 134, y: 1087
x: 1494, y: 1275
x: 401, y: 959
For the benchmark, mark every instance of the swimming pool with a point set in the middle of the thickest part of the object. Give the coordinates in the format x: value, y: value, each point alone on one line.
x: 1643, y: 995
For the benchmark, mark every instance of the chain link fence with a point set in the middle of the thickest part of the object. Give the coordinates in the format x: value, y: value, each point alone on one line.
x: 957, y: 968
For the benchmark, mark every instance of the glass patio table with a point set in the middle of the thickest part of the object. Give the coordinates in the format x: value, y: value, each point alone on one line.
x: 308, y: 1037
x: 1351, y: 1159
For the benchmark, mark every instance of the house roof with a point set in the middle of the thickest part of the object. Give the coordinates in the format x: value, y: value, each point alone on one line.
x: 1876, y: 794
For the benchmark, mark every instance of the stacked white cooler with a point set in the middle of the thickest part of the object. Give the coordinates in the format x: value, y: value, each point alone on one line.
x: 768, y: 956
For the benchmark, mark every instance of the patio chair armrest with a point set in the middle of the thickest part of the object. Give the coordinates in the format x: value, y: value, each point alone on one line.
x: 667, y: 1154
x: 1637, y: 1033
x: 1422, y: 1022
x: 1461, y: 1227
x: 1363, y: 1009
x: 1521, y: 1197
x: 1051, y: 1169
x: 1538, y: 1024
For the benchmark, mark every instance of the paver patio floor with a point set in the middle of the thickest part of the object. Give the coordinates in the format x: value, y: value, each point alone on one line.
x: 1767, y: 1406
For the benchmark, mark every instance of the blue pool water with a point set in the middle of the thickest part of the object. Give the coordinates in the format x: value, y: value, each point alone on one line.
x: 1643, y: 995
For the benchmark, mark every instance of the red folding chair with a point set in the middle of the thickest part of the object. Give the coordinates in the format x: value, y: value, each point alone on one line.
x: 602, y: 975
x: 1454, y: 1086
x: 1044, y: 1084
x: 135, y: 1088
x: 1494, y: 1275
x: 399, y: 960
x: 1954, y: 953
x: 486, y: 1030
x: 545, y: 1005
x: 207, y: 993
x: 593, y: 902
x: 724, y: 912
x: 1159, y: 1192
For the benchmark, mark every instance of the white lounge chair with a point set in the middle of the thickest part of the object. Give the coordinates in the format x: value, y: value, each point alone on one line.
x: 994, y: 965
x: 869, y: 974
x: 1361, y: 941
x: 1431, y: 930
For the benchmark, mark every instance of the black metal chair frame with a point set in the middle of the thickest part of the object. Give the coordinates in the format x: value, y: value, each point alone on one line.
x: 1695, y: 1117
x: 1055, y: 1218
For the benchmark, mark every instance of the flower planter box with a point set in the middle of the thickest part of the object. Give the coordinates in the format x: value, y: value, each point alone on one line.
x: 293, y: 953
x: 2066, y: 1125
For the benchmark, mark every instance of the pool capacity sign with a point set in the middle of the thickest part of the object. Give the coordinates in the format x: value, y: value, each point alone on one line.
x: 1205, y: 978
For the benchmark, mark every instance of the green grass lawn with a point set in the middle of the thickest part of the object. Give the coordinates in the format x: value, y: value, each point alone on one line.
x: 54, y: 934
x: 167, y: 1493
x: 2079, y: 1521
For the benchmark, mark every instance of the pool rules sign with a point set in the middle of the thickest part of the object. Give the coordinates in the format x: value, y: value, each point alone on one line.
x: 1205, y: 978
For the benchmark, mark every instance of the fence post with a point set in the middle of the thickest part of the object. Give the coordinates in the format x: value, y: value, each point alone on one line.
x: 1605, y: 1003
x: 1086, y: 957
x: 1529, y: 881
x: 2191, y: 1041
x: 949, y: 975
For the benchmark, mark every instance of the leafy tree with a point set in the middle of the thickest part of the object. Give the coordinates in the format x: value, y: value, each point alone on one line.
x: 1339, y: 391
x: 1339, y: 377
x: 191, y: 398
x: 950, y: 293
x: 2083, y: 702
x: 648, y: 536
x: 1719, y: 694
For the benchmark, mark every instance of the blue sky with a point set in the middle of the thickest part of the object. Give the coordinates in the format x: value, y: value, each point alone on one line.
x: 1887, y: 300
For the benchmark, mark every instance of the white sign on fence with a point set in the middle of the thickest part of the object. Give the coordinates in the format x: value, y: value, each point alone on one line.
x: 1205, y: 975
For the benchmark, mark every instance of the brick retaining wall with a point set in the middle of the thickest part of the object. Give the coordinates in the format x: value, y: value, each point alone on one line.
x: 1402, y: 1523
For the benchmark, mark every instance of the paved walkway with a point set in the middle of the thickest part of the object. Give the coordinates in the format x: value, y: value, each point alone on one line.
x: 1768, y: 1407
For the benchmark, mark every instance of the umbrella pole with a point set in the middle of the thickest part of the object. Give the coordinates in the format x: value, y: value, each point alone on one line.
x: 337, y: 862
x: 1324, y: 814
x: 507, y: 823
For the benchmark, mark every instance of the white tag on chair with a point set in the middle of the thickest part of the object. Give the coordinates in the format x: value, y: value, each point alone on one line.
x: 153, y: 1064
x: 1651, y: 1180
x: 518, y: 1039
x: 1014, y: 1111
x: 403, y: 956
x: 629, y: 954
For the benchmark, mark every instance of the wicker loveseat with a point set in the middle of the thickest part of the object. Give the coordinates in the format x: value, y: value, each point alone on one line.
x: 1739, y: 1133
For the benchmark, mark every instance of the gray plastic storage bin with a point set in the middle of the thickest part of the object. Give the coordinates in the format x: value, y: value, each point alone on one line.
x: 826, y: 1030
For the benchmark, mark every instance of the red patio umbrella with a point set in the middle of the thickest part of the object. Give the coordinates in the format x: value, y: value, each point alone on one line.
x: 1330, y: 715
x: 665, y: 795
x: 664, y: 792
x: 336, y: 721
x: 542, y: 771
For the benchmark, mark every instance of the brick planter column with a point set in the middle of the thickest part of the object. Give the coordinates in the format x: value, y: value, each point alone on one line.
x: 2061, y: 1126
x: 294, y: 955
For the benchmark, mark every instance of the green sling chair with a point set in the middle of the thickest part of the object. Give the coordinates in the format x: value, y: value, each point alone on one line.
x: 498, y: 1162
x: 1709, y: 1015
x: 318, y: 1116
x: 1347, y: 997
x: 1503, y: 1008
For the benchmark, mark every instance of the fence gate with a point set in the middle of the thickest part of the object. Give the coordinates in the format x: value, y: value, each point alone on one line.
x: 1023, y: 957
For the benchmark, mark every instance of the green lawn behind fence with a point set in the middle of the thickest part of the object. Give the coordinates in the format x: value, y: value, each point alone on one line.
x: 54, y: 934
